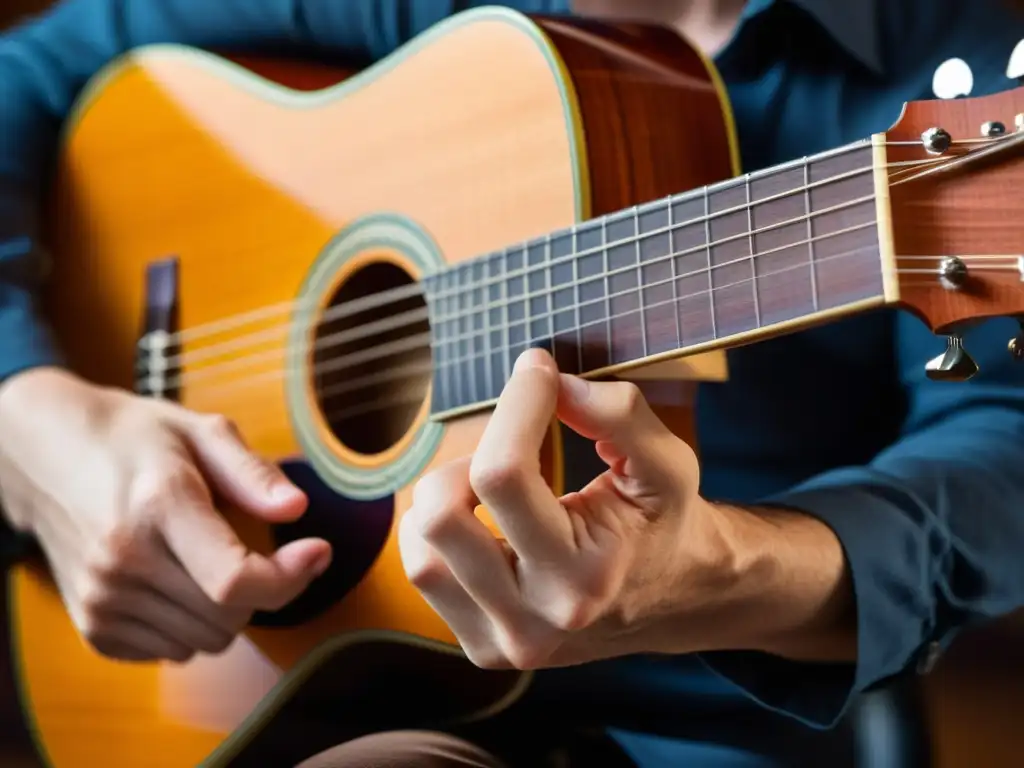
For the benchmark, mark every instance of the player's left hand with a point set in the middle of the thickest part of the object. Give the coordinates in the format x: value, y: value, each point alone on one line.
x: 594, y: 574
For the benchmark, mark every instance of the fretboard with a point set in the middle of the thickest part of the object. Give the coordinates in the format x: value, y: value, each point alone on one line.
x: 694, y: 271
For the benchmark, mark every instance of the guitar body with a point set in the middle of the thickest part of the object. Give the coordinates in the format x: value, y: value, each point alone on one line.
x: 192, y: 189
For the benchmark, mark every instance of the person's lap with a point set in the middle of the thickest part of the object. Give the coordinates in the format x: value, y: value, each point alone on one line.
x: 655, y: 712
x: 425, y: 749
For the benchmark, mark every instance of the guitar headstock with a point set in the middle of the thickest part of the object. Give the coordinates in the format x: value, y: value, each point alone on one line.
x: 955, y: 168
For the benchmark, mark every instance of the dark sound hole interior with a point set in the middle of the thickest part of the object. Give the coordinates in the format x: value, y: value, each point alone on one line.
x: 372, y: 365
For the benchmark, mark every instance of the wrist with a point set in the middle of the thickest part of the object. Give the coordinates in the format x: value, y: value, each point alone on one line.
x: 774, y: 580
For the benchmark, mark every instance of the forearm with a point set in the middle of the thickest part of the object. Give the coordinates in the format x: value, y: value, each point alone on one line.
x: 793, y: 594
x: 773, y: 581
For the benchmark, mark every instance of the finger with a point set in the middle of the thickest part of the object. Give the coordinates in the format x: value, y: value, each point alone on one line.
x: 443, y: 516
x: 270, y: 583
x: 152, y: 608
x: 130, y: 640
x: 630, y: 437
x: 223, y: 567
x: 428, y: 572
x: 240, y: 475
x: 167, y: 575
x: 505, y: 471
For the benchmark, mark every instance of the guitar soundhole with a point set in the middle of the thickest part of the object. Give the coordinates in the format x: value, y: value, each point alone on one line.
x: 372, y: 360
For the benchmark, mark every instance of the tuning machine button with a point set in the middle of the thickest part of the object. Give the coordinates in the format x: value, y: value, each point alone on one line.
x: 936, y: 140
x: 1016, y: 345
x: 955, y: 364
x: 952, y: 273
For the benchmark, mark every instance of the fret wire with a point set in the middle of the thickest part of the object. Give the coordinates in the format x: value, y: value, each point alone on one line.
x: 505, y: 337
x: 640, y: 280
x: 810, y: 234
x: 832, y: 179
x: 489, y: 365
x: 550, y: 284
x: 797, y: 219
x: 753, y: 264
x: 673, y: 266
x: 576, y: 310
x: 783, y: 270
x: 607, y: 289
x: 466, y: 298
x: 446, y: 383
x: 708, y: 246
x: 656, y: 283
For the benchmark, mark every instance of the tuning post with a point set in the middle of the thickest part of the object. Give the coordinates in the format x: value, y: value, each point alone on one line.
x: 936, y: 140
x: 992, y: 129
x: 955, y: 364
x: 952, y: 273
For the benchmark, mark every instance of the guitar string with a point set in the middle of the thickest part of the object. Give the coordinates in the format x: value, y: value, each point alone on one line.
x: 979, y: 262
x: 410, y: 398
x: 421, y: 343
x: 176, y: 363
x: 358, y: 305
x: 412, y: 290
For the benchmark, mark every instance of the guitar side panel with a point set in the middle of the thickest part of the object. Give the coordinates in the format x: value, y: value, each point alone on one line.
x: 245, y: 184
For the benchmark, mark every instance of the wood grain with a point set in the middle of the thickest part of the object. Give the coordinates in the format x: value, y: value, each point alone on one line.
x: 974, y: 211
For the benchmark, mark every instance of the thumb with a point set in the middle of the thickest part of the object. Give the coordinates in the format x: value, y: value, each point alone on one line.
x: 240, y: 476
x: 630, y: 437
x: 269, y: 583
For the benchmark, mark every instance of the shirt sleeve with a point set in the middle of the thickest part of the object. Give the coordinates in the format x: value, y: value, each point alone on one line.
x: 45, y: 63
x: 932, y: 529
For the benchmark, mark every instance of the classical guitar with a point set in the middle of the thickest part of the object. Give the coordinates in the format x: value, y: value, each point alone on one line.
x: 346, y: 264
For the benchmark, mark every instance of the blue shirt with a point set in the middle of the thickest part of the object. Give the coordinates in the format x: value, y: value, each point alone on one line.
x: 921, y: 481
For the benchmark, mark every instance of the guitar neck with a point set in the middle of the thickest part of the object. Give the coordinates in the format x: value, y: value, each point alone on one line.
x: 723, y: 265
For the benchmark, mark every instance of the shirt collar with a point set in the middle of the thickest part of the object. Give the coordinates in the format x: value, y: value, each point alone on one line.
x: 853, y: 23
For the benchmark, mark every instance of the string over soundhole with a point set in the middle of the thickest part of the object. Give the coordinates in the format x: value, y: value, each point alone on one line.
x: 371, y: 361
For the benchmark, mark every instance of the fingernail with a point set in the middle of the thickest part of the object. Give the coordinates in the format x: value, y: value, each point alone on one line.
x: 531, y: 358
x: 284, y: 491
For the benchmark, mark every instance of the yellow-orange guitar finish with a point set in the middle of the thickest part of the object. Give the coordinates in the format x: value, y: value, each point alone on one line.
x: 252, y: 176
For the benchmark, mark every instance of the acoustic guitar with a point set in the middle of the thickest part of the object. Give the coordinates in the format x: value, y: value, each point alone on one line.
x: 346, y: 264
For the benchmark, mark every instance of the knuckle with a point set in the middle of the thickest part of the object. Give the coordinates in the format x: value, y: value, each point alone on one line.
x: 630, y: 400
x: 152, y: 491
x: 219, y: 426
x: 435, y: 524
x: 570, y: 615
x: 486, y: 657
x: 522, y: 655
x: 427, y: 575
x: 433, y: 514
x: 496, y: 478
x: 95, y: 599
x: 429, y: 489
x: 112, y: 555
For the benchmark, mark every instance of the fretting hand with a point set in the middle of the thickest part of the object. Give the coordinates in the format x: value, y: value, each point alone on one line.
x: 593, y: 574
x: 119, y: 490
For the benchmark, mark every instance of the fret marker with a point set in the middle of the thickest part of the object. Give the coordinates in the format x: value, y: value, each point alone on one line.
x: 952, y: 79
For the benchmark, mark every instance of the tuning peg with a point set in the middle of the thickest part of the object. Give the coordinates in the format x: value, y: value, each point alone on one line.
x: 952, y: 365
